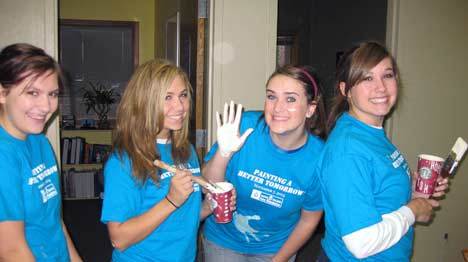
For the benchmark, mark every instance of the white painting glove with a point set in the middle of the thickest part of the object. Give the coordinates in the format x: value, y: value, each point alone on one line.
x: 229, y: 139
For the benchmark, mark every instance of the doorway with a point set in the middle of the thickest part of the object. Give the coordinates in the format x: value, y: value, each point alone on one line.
x: 315, y: 32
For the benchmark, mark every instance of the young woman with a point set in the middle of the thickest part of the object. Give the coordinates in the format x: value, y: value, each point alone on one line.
x: 278, y: 194
x: 153, y: 214
x: 31, y: 227
x: 366, y: 182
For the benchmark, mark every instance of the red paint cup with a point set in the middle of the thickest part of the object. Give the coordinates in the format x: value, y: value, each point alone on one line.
x: 429, y: 168
x: 221, y: 202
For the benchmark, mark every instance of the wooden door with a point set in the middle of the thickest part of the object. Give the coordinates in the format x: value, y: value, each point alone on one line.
x: 181, y: 39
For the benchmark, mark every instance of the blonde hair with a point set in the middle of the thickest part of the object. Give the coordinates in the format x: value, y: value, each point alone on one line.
x: 140, y: 118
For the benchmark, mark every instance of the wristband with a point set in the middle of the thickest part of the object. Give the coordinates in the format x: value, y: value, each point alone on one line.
x: 172, y: 203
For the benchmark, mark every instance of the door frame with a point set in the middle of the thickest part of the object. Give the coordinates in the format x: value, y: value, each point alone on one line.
x: 392, y: 44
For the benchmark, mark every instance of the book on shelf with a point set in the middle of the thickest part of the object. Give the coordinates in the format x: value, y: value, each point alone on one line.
x: 80, y: 141
x: 75, y: 151
x: 101, y: 152
x: 65, y: 149
x: 88, y: 154
x: 82, y: 184
x: 72, y: 151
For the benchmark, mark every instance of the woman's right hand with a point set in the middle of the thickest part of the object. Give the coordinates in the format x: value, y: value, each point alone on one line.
x: 229, y: 138
x: 181, y: 187
x: 422, y: 208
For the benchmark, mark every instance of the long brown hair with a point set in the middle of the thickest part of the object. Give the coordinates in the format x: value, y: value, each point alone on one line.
x: 140, y: 118
x: 352, y: 70
x: 316, y: 124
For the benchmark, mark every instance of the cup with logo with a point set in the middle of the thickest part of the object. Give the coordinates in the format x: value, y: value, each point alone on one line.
x: 221, y: 202
x: 429, y: 168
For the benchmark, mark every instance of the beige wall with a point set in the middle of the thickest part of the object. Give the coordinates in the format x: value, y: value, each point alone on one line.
x: 431, y: 38
x: 33, y: 22
x: 142, y: 11
x: 242, y: 54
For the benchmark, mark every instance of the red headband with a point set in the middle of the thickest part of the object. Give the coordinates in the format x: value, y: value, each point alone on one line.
x: 312, y: 80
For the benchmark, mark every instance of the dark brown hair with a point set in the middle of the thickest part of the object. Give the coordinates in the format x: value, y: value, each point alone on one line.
x: 316, y: 124
x: 20, y: 61
x: 352, y: 68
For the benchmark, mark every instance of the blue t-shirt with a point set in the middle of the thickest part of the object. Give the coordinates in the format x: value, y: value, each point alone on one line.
x: 273, y: 186
x: 30, y: 192
x: 125, y: 198
x: 363, y: 176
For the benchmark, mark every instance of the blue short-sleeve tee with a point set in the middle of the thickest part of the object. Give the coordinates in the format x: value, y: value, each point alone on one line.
x: 363, y: 176
x: 125, y: 198
x: 30, y: 192
x: 273, y: 186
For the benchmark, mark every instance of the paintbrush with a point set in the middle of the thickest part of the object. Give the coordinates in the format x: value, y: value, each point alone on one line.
x: 453, y: 158
x: 197, y: 179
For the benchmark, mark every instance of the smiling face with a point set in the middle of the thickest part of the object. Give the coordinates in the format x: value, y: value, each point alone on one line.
x: 27, y: 106
x: 286, y: 107
x: 176, y: 106
x: 373, y: 98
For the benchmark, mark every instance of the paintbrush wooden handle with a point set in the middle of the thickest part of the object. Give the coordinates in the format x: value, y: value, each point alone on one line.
x: 201, y: 181
x: 197, y: 179
x: 161, y: 164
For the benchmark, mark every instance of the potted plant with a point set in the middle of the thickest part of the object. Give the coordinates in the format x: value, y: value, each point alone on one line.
x: 99, y: 98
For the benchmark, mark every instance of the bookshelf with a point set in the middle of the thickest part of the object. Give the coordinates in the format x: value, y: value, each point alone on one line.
x: 93, y: 136
x: 82, y: 166
x: 83, y: 152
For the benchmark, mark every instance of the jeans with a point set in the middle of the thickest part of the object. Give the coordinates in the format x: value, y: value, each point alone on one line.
x: 215, y: 253
x: 322, y: 257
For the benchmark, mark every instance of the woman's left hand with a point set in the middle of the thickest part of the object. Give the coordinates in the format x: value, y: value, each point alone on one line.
x: 206, y: 205
x: 439, y: 191
x: 233, y: 205
x: 209, y: 205
x: 229, y: 138
x: 441, y: 187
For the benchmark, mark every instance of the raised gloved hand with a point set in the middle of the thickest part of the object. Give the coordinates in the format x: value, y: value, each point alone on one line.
x: 229, y: 139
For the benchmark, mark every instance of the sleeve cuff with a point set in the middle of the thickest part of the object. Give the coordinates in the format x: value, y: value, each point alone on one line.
x: 407, y: 214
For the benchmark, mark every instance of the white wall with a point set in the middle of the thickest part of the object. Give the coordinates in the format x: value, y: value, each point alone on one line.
x: 34, y: 22
x: 431, y: 37
x: 242, y: 54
